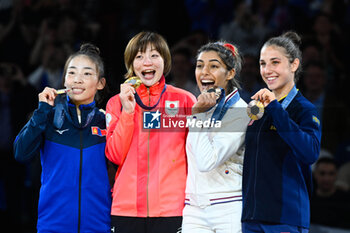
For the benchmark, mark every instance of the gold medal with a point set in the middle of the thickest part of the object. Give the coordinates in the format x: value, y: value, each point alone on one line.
x: 255, y: 110
x: 62, y: 91
x: 135, y: 81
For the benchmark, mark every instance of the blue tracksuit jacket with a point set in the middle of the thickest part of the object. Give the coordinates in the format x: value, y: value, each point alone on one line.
x: 75, y: 192
x: 280, y: 147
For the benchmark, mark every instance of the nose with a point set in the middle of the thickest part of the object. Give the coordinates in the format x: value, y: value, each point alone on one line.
x: 78, y: 78
x: 267, y: 69
x: 147, y: 60
x: 205, y: 70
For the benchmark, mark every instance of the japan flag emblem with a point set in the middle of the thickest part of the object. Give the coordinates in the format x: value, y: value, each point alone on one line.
x: 171, y: 107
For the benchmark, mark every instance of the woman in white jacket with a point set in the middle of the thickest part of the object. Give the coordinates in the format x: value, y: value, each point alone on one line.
x: 215, y: 151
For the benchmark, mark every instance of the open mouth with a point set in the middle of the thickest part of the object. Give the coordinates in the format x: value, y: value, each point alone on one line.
x: 76, y: 90
x: 207, y: 84
x: 148, y: 74
x: 271, y: 79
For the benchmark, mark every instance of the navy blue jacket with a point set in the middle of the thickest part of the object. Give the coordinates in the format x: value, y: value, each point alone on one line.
x: 280, y: 147
x: 75, y: 193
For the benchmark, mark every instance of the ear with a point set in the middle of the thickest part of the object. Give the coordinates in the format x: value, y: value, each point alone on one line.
x: 295, y: 64
x: 101, y: 84
x: 231, y: 74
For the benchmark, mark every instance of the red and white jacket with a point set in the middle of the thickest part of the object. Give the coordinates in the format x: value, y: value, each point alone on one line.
x: 151, y: 179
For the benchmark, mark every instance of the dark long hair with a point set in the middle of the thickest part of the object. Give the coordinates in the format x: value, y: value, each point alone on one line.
x: 230, y: 55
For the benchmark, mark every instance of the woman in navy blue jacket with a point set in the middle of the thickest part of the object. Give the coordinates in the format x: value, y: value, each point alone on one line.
x: 69, y: 133
x: 281, y: 146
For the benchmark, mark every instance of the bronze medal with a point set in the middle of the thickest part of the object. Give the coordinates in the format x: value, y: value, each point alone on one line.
x: 255, y: 110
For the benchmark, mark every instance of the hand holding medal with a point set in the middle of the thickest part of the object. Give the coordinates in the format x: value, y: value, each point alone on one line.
x: 135, y: 81
x: 127, y: 93
x: 255, y: 110
x: 216, y: 90
x: 206, y: 100
x: 261, y: 99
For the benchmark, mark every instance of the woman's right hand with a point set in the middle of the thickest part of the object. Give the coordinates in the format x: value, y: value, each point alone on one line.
x: 127, y: 97
x: 48, y: 95
x: 265, y: 96
x: 206, y: 100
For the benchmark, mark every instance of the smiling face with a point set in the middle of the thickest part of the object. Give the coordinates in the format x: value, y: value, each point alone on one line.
x: 82, y: 80
x: 211, y: 71
x: 276, y: 70
x: 149, y: 66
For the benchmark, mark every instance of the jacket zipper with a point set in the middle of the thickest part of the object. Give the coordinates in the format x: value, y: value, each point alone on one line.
x: 149, y: 132
x: 256, y: 163
x: 80, y: 176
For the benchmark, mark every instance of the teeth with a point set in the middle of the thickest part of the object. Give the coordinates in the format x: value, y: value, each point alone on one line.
x: 207, y: 81
x: 269, y: 79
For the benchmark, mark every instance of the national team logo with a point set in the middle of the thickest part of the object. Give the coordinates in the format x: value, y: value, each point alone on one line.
x: 316, y: 120
x: 151, y: 120
x: 108, y: 119
x: 171, y: 107
x: 97, y: 131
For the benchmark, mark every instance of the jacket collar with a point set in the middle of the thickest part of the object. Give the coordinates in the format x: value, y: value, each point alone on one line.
x: 87, y: 113
x: 154, y: 90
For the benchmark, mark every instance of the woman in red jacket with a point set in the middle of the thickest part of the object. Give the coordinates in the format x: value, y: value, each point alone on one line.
x: 149, y: 189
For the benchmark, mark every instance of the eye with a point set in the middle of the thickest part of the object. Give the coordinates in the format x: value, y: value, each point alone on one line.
x: 87, y: 73
x: 214, y: 66
x: 138, y: 56
x: 262, y: 64
x: 71, y: 72
x: 199, y: 65
x: 275, y: 62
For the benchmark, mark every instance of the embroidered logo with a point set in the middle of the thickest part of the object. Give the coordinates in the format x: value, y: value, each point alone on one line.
x: 108, y: 119
x: 171, y: 107
x: 316, y: 120
x: 61, y: 131
x: 97, y: 131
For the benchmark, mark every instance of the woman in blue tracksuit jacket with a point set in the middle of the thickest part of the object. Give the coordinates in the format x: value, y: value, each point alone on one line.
x: 281, y: 146
x: 69, y: 133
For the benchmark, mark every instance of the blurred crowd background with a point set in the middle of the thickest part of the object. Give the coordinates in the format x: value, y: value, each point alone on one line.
x: 36, y: 37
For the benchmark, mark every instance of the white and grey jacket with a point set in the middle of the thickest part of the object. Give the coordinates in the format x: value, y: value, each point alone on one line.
x: 215, y: 157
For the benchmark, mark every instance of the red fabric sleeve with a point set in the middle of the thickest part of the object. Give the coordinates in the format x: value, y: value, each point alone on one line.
x: 120, y: 127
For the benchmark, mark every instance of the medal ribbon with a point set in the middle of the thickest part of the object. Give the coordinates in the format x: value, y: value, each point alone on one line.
x: 224, y: 105
x: 142, y: 105
x: 289, y: 97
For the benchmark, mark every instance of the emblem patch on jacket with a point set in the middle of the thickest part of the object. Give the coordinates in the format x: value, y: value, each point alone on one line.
x: 316, y: 120
x: 108, y: 119
x: 171, y: 107
x: 97, y: 131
